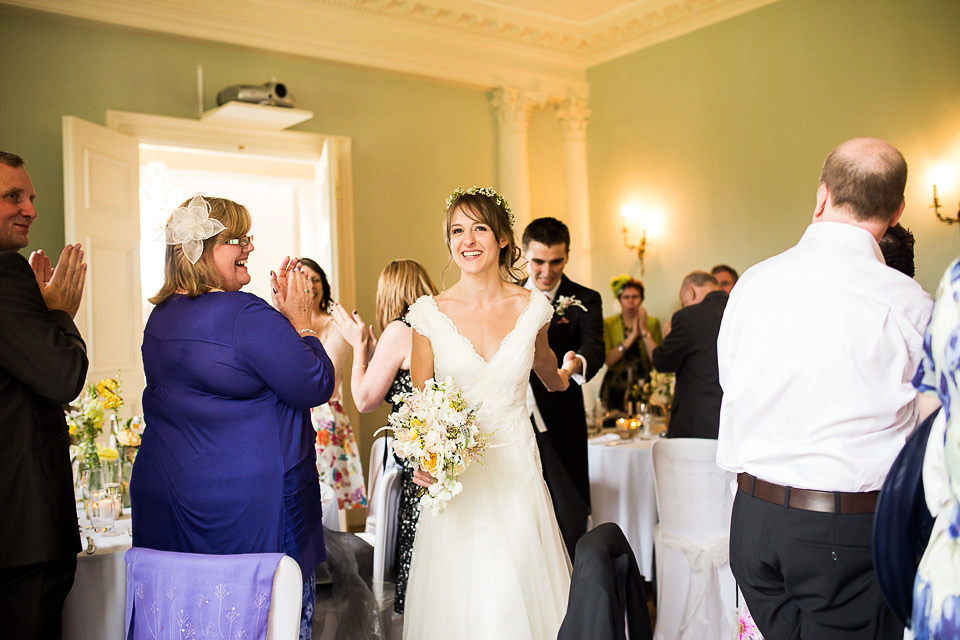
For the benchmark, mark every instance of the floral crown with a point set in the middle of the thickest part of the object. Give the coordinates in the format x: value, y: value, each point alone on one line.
x: 482, y: 191
x: 190, y: 225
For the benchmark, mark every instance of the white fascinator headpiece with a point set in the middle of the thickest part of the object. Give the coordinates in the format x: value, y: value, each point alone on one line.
x: 190, y: 225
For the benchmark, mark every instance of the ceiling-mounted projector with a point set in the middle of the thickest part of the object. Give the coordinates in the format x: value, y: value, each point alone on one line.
x: 270, y: 93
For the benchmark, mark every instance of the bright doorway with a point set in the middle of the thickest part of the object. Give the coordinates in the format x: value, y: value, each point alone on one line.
x: 288, y: 200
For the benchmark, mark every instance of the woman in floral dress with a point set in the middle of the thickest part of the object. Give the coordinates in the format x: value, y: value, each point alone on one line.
x: 338, y: 459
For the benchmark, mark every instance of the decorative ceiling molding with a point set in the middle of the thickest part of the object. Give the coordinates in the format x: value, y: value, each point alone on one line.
x: 462, y: 41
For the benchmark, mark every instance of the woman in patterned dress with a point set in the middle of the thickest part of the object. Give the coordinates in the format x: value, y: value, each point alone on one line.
x: 338, y: 459
x: 381, y: 370
x: 936, y: 592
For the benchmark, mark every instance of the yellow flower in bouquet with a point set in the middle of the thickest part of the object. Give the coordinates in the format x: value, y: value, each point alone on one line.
x: 430, y: 463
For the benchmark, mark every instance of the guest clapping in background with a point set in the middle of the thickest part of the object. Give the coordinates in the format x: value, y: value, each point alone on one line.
x: 628, y: 360
x: 381, y: 369
x: 338, y: 460
x: 228, y: 464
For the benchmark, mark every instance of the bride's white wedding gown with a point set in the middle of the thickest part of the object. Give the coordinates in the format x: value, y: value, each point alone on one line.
x: 492, y: 565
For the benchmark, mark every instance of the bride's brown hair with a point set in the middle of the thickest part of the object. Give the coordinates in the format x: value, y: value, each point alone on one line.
x: 487, y: 206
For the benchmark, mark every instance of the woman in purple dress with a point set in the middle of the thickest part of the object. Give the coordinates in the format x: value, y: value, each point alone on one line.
x: 227, y: 464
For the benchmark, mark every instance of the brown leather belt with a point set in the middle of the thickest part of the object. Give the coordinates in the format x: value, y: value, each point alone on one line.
x: 837, y: 502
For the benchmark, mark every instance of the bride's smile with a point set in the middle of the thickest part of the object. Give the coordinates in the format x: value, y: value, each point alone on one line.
x: 473, y: 243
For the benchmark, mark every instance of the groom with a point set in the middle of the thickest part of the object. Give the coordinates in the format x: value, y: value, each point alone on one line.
x: 576, y: 330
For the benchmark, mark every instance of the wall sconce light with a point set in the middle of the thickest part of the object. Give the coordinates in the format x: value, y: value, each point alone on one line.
x: 643, y: 220
x: 942, y: 174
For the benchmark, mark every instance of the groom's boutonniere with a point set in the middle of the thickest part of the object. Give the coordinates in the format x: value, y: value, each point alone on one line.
x: 562, y: 303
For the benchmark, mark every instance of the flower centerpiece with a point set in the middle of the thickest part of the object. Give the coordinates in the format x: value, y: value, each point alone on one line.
x: 85, y: 418
x: 657, y: 391
x: 437, y: 431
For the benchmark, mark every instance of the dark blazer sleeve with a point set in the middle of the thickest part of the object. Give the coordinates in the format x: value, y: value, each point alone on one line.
x: 39, y: 348
x: 591, y: 333
x: 670, y: 354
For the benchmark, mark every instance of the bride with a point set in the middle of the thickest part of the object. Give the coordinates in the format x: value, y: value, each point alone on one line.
x: 492, y: 564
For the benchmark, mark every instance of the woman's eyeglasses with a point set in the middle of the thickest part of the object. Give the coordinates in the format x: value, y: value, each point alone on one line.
x: 242, y: 241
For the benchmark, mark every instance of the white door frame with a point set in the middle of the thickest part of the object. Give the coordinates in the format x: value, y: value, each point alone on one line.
x: 183, y: 132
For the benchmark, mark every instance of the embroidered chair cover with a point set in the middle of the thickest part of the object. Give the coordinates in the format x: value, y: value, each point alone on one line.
x: 189, y: 595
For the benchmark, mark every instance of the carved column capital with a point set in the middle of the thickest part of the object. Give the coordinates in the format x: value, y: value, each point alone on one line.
x: 574, y: 115
x: 513, y: 106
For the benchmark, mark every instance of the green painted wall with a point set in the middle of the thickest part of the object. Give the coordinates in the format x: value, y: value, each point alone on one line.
x: 413, y: 139
x: 725, y: 129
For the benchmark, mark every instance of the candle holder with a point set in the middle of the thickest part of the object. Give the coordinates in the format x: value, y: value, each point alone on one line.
x: 105, y: 507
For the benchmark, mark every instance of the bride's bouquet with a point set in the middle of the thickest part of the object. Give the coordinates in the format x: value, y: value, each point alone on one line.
x: 437, y: 430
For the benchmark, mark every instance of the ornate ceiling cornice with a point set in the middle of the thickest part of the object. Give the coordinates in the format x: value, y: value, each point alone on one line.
x: 464, y: 41
x: 640, y: 24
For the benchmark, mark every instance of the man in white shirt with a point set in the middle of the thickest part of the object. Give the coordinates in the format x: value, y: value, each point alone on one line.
x: 816, y: 352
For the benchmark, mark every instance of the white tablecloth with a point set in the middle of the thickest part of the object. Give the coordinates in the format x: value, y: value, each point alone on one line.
x: 94, y: 610
x: 622, y: 491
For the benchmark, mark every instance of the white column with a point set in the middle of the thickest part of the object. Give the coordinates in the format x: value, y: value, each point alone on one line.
x: 574, y: 114
x: 513, y: 107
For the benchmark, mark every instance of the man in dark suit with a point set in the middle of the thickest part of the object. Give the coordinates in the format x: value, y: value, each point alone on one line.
x: 576, y: 337
x: 43, y: 363
x: 690, y: 351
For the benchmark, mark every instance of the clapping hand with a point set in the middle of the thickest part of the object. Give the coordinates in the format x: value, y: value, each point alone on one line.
x: 354, y: 329
x: 62, y: 288
x: 42, y: 270
x: 291, y: 293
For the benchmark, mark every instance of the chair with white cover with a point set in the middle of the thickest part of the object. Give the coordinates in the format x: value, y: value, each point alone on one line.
x: 381, y: 457
x: 696, y: 591
x: 330, y: 507
x: 254, y: 596
x: 387, y: 496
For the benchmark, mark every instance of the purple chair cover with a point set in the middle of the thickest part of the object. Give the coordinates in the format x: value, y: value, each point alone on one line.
x: 192, y: 596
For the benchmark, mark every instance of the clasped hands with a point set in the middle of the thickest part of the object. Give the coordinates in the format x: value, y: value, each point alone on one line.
x: 62, y: 288
x: 291, y: 293
x: 569, y: 367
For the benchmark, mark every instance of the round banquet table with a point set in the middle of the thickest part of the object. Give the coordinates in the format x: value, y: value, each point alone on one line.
x: 94, y: 610
x: 622, y: 491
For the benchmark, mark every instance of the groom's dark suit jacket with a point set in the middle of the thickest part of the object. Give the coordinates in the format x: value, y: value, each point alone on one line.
x: 43, y: 363
x: 690, y: 350
x: 563, y: 412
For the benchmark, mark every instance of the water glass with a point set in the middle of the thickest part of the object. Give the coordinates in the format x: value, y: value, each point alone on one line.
x: 105, y: 505
x: 646, y: 417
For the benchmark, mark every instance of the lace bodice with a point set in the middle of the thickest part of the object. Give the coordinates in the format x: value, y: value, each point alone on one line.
x: 500, y: 384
